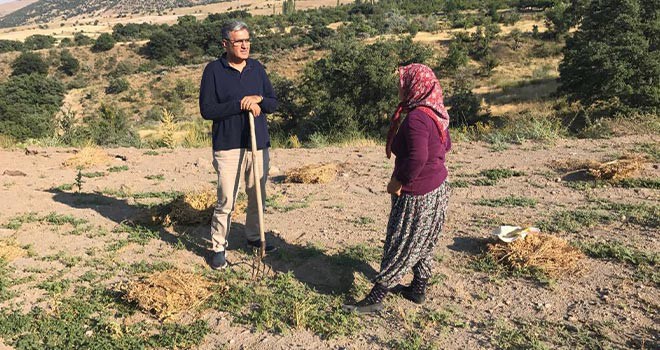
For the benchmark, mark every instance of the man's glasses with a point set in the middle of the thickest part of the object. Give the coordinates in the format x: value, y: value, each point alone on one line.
x: 238, y: 43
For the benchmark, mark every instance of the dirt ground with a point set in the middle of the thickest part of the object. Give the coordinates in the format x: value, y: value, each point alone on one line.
x: 353, y: 210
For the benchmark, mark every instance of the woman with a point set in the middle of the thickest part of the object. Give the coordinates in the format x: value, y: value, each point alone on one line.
x: 419, y: 191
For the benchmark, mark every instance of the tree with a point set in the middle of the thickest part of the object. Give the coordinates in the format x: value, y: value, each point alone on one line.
x: 29, y: 63
x: 558, y: 18
x: 161, y: 44
x: 353, y: 90
x: 104, y: 42
x: 69, y: 65
x: 613, y: 56
x: 28, y: 104
x: 456, y: 56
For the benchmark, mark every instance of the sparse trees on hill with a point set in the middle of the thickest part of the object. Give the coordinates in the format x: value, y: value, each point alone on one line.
x: 104, y: 42
x: 614, y: 57
x: 29, y: 63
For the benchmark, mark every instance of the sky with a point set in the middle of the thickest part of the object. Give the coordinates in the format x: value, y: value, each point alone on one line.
x: 5, y: 1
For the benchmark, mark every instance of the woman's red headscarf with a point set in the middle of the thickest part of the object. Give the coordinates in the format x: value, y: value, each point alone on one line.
x: 421, y: 90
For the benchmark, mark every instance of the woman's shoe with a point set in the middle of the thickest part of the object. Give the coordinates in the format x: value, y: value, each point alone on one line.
x: 415, y: 292
x: 371, y: 303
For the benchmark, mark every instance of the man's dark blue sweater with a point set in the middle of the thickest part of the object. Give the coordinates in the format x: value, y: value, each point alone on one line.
x: 220, y: 95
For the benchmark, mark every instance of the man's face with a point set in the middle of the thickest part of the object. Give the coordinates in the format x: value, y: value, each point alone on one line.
x: 238, y: 44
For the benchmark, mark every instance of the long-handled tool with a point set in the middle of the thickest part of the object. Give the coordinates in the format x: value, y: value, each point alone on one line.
x: 259, y: 266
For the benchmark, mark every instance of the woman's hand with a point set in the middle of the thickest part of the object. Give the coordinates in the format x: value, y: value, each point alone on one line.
x: 394, y: 187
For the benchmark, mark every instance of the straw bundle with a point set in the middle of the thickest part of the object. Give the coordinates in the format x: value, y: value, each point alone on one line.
x: 617, y: 169
x: 10, y: 251
x: 87, y: 157
x: 167, y: 294
x: 547, y: 253
x: 313, y: 173
x: 192, y: 208
x: 195, y: 208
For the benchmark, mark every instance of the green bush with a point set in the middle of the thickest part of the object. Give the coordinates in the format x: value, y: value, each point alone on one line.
x: 161, y: 45
x: 81, y: 39
x: 117, y: 85
x: 29, y: 63
x: 464, y: 105
x: 38, y: 42
x: 457, y: 57
x: 10, y: 45
x: 123, y: 68
x: 104, y: 42
x: 27, y: 105
x: 110, y: 127
x: 66, y: 42
x: 69, y: 65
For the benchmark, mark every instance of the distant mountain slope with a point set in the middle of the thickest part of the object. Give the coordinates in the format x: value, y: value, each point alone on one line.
x: 47, y: 10
x: 8, y: 7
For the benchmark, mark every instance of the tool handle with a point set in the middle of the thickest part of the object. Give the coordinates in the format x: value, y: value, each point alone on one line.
x: 257, y: 182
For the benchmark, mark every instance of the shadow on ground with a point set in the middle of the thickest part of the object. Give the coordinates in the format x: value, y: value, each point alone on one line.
x: 328, y: 273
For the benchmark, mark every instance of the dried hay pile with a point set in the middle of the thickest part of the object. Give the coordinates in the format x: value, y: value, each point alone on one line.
x: 313, y: 173
x: 613, y: 170
x: 547, y: 253
x: 194, y: 208
x: 167, y: 294
x: 9, y: 250
x: 87, y: 157
x: 617, y: 169
x: 572, y: 165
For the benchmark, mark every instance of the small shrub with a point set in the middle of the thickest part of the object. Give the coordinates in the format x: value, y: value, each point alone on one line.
x: 103, y: 43
x: 69, y: 65
x: 117, y: 85
x: 29, y: 63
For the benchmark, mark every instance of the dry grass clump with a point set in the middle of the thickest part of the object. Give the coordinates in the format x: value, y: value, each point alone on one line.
x: 572, y: 164
x: 550, y: 254
x: 194, y: 208
x: 617, y: 169
x: 87, y: 157
x: 313, y: 173
x: 613, y: 170
x: 10, y: 251
x: 168, y: 293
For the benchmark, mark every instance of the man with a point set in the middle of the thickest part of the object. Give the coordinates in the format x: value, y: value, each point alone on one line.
x: 232, y: 86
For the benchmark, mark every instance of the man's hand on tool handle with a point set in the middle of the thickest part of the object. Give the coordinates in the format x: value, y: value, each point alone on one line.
x: 251, y: 103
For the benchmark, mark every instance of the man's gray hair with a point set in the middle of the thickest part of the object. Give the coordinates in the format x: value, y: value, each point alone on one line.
x: 232, y: 26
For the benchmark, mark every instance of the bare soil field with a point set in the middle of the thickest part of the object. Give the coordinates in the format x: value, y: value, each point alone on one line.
x: 610, y: 303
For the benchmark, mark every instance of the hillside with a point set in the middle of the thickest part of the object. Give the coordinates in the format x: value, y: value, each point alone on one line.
x: 46, y: 11
x: 14, y: 5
